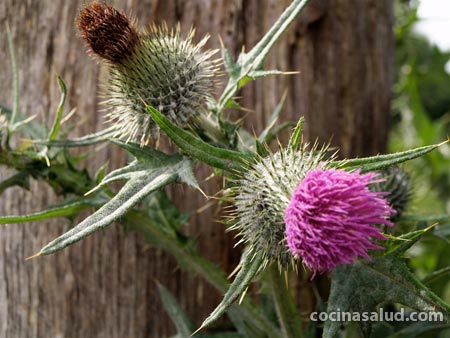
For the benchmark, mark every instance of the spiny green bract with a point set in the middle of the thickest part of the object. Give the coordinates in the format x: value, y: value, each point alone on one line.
x: 397, y: 184
x: 261, y: 196
x: 166, y: 72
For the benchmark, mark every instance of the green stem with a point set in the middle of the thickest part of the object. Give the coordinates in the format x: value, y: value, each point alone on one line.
x: 287, y: 312
x: 254, y: 59
x: 190, y: 260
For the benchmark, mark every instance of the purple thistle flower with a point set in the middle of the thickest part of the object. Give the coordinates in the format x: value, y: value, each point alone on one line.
x: 331, y: 217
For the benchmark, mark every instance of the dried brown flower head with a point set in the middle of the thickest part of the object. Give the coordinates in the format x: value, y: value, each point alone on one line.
x: 109, y: 33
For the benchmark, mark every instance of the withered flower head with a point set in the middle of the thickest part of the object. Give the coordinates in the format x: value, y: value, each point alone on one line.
x: 159, y: 67
x: 109, y: 33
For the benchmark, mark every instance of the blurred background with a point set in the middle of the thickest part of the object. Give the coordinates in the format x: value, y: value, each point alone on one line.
x: 421, y: 115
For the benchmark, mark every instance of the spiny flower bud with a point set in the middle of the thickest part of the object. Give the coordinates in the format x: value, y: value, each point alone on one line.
x: 292, y: 205
x: 158, y: 67
x: 262, y: 195
x: 397, y: 185
x: 330, y: 218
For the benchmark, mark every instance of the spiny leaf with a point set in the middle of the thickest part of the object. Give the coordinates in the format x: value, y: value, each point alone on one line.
x: 232, y: 68
x: 399, y: 245
x: 130, y: 194
x: 263, y: 73
x: 142, y: 153
x: 250, y: 267
x: 382, y: 161
x: 443, y: 231
x: 66, y: 208
x: 296, y: 137
x: 21, y: 179
x: 420, y: 330
x: 195, y: 147
x: 150, y: 160
x: 436, y: 275
x: 252, y: 62
x: 255, y: 58
x: 161, y: 209
x: 363, y: 286
x: 33, y: 129
x: 83, y: 141
x: 140, y: 184
x: 59, y: 113
x: 183, y: 324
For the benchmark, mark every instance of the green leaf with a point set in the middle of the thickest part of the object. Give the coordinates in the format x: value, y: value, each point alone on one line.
x: 436, y: 275
x: 363, y: 286
x: 296, y: 138
x: 245, y: 328
x: 195, y: 147
x: 288, y: 315
x: 32, y: 131
x: 179, y: 318
x: 232, y: 68
x: 68, y: 207
x: 420, y: 329
x: 59, y: 113
x: 382, y: 161
x: 397, y: 246
x: 263, y: 73
x: 252, y: 62
x: 162, y: 210
x: 443, y: 231
x: 130, y: 195
x: 251, y: 265
x: 20, y: 179
x: 145, y: 175
x: 261, y: 149
x: 83, y: 141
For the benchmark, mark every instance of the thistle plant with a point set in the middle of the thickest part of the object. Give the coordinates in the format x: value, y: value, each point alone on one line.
x: 157, y: 67
x: 297, y: 205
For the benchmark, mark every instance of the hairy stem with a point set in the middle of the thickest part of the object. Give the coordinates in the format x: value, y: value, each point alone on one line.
x: 287, y: 312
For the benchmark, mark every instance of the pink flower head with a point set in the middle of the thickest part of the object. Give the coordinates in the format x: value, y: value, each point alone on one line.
x: 331, y: 217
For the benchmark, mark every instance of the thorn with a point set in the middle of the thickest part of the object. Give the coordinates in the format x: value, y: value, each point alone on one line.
x: 196, y: 331
x: 221, y: 42
x: 33, y: 256
x: 92, y: 190
x: 203, y: 193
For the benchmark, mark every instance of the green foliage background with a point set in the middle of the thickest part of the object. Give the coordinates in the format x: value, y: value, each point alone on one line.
x: 420, y: 115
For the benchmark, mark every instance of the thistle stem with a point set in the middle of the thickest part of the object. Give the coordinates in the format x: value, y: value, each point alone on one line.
x: 288, y: 315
